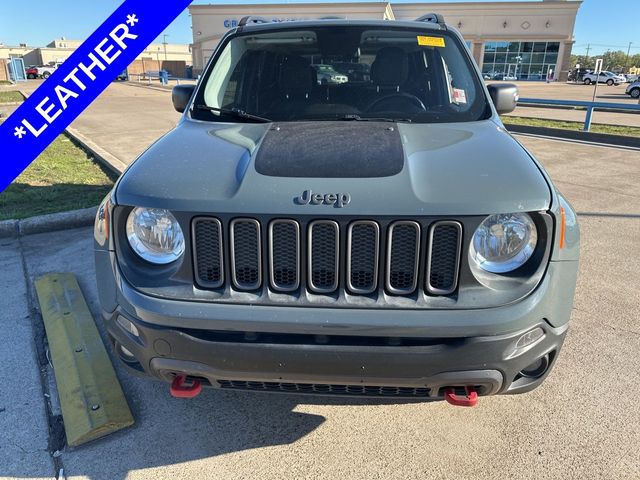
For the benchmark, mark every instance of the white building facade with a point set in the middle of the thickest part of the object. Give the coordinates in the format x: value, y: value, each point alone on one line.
x: 512, y: 40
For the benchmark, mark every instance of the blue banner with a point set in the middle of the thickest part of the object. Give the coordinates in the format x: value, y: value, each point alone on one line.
x: 79, y: 81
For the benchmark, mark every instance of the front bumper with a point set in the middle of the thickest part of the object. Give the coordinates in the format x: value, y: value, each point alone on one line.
x: 400, y: 353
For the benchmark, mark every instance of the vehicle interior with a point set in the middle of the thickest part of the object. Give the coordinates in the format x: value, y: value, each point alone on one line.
x: 346, y: 72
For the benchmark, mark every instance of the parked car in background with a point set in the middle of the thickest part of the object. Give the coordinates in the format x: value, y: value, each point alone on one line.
x: 47, y: 70
x: 609, y: 78
x: 122, y: 76
x: 577, y: 74
x: 631, y: 78
x: 356, y: 72
x: 32, y: 72
x: 633, y: 90
x: 327, y: 74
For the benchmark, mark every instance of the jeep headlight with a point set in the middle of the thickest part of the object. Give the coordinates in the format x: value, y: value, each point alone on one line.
x: 155, y: 235
x: 504, y: 242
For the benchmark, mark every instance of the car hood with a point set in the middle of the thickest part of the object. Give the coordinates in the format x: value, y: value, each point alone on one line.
x: 385, y: 168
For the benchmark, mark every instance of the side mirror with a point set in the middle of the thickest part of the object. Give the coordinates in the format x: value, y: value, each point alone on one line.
x: 505, y: 96
x: 180, y: 95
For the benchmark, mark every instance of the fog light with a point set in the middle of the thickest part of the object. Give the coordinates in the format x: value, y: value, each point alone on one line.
x: 537, y: 368
x: 128, y: 326
x: 529, y: 338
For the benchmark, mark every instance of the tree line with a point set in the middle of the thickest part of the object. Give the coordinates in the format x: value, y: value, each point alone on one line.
x: 611, y: 60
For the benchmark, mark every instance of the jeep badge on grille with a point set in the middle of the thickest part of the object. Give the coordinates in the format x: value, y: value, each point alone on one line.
x: 338, y: 200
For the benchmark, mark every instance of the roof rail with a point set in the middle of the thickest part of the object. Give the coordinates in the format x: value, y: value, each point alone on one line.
x: 432, y: 18
x: 251, y: 19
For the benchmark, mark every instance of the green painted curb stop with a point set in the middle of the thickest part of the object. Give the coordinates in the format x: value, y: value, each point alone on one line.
x: 92, y: 401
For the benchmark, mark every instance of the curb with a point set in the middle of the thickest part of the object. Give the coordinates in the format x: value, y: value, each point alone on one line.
x: 600, y: 138
x: 107, y: 159
x: 63, y: 220
x: 48, y: 223
x: 147, y: 86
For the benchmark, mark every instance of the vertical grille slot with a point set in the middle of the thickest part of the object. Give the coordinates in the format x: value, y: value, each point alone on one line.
x: 207, y: 252
x: 443, y: 262
x: 402, y: 257
x: 284, y: 255
x: 323, y: 256
x: 363, y: 244
x: 246, y: 254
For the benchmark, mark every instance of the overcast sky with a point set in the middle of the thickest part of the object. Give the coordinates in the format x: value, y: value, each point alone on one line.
x: 605, y: 24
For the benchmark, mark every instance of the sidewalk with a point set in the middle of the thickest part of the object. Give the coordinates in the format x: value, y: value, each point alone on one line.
x: 123, y: 121
x: 126, y: 119
x: 23, y: 420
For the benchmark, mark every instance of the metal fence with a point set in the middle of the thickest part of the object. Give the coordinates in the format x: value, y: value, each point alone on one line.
x: 151, y: 76
x: 588, y: 106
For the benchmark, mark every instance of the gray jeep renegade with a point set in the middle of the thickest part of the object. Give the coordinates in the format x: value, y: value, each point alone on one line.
x: 378, y: 236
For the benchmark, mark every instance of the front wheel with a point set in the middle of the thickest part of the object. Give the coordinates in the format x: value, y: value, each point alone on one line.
x: 587, y: 81
x: 635, y: 92
x: 610, y: 82
x: 46, y: 75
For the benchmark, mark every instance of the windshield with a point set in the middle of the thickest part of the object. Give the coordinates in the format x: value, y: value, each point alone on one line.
x: 342, y: 72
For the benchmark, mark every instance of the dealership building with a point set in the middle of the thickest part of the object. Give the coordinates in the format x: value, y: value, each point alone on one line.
x: 509, y: 40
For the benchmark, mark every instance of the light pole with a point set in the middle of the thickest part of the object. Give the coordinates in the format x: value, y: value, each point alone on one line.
x: 164, y: 42
x: 626, y: 60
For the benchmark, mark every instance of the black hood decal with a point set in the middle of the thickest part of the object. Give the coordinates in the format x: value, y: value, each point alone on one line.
x: 331, y: 150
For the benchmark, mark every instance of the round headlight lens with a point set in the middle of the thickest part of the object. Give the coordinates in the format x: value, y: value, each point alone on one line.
x: 155, y: 235
x: 504, y: 242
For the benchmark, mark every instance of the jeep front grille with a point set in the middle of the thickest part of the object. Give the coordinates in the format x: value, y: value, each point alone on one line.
x: 208, y: 256
x: 445, y: 242
x: 359, y: 257
x: 403, y: 257
x: 323, y: 256
x: 246, y: 254
x: 284, y: 255
x: 363, y: 251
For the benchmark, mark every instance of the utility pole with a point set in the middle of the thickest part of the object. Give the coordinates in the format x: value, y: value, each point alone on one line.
x: 626, y: 60
x: 587, y: 55
x: 164, y: 42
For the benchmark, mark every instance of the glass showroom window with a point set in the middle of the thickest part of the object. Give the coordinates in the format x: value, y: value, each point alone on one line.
x: 519, y: 60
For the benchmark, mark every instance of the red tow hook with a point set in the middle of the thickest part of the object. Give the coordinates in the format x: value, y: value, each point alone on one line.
x: 469, y: 400
x: 181, y: 388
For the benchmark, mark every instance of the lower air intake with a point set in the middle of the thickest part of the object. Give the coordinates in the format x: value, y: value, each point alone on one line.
x: 326, y: 389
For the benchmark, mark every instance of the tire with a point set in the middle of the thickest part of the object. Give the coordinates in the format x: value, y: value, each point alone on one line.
x: 587, y: 81
x: 610, y: 82
x: 31, y: 76
x: 635, y: 92
x: 46, y: 75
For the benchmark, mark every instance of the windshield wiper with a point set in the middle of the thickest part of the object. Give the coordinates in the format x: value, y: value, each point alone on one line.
x: 234, y: 112
x: 357, y: 118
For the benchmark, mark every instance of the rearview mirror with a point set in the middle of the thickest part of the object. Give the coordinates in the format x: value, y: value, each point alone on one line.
x: 180, y: 95
x: 505, y: 96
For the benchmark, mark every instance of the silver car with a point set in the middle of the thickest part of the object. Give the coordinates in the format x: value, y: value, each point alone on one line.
x: 633, y: 89
x: 386, y: 237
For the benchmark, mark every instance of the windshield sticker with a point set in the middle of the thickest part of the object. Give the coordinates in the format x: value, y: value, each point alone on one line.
x: 431, y: 41
x: 459, y: 96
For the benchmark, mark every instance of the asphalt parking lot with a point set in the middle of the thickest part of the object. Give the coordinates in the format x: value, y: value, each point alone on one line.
x: 582, y: 423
